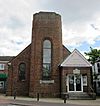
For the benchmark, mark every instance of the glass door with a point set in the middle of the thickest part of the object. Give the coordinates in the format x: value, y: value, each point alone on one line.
x: 78, y: 83
x: 75, y: 83
x: 71, y: 83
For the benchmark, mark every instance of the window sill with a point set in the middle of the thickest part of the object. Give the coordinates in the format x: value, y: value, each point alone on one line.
x: 46, y: 81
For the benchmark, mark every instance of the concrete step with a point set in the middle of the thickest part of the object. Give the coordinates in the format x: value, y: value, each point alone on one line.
x: 79, y: 95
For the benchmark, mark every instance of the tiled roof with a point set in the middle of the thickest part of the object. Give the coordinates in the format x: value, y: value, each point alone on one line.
x: 76, y: 59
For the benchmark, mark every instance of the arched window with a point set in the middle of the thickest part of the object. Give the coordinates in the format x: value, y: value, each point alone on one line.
x: 46, y: 59
x: 22, y: 71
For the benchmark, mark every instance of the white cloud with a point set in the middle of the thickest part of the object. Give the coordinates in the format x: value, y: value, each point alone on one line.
x: 76, y: 34
x: 16, y: 20
x: 98, y: 48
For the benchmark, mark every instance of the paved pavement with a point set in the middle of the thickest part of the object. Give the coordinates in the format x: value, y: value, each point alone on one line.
x: 26, y: 101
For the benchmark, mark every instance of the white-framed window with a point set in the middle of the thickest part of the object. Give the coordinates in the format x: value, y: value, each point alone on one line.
x: 2, y: 66
x: 1, y: 84
x: 46, y: 59
x: 84, y: 80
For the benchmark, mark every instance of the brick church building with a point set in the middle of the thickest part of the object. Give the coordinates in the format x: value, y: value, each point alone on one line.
x: 46, y: 66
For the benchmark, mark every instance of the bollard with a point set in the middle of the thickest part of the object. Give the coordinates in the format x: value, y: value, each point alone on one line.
x: 66, y: 96
x: 14, y: 94
x: 64, y: 100
x: 37, y: 96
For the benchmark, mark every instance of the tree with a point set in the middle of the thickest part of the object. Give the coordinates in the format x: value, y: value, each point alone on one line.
x: 94, y: 54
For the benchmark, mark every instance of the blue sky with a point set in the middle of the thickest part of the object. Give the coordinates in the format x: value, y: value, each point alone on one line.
x: 80, y: 23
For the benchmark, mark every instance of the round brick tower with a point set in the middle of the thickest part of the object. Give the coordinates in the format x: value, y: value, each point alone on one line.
x: 46, y: 53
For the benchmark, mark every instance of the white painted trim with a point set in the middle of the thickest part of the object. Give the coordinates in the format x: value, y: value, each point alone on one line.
x: 82, y: 61
x: 81, y: 82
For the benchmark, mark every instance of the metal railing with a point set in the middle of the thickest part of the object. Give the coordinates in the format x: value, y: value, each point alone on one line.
x: 91, y: 93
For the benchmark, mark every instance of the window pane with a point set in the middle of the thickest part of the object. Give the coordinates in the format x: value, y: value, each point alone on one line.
x: 47, y: 56
x: 22, y: 69
x: 85, y: 80
x: 98, y: 84
x: 47, y: 44
x: 46, y: 70
x: 98, y: 65
x: 1, y: 84
x: 2, y: 66
x: 46, y: 59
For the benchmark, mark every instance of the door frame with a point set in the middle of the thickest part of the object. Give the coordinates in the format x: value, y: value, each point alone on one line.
x: 67, y: 83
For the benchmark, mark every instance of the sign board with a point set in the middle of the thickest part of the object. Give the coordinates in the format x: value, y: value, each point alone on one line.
x: 46, y: 81
x: 76, y: 71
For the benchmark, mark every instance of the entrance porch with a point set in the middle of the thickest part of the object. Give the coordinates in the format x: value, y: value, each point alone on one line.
x: 76, y: 76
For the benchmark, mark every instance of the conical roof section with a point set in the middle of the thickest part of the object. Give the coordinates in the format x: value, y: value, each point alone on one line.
x: 76, y: 59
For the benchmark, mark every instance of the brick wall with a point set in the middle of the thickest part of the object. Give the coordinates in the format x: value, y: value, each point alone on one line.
x: 45, y: 26
x: 13, y: 83
x: 66, y: 52
x: 83, y: 71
